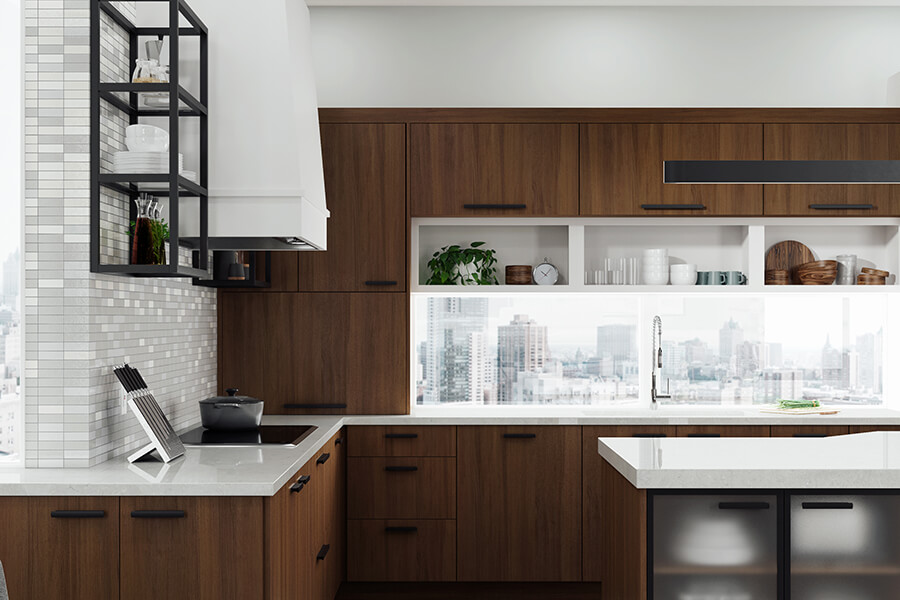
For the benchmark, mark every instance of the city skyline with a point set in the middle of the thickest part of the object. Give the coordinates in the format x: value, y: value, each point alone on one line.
x: 10, y: 354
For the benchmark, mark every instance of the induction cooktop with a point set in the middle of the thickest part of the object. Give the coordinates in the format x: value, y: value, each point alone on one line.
x: 266, y: 435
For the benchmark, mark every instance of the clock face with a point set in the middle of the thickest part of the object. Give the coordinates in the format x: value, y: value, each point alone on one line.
x: 545, y: 274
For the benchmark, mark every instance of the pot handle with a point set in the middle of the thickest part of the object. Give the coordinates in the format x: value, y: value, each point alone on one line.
x: 227, y: 405
x: 231, y: 391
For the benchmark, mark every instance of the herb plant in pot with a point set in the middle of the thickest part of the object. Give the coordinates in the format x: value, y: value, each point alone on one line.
x: 455, y: 265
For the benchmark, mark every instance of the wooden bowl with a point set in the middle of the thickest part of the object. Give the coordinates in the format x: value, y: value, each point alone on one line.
x: 518, y: 274
x: 778, y: 277
x: 820, y: 272
x: 876, y: 272
x: 869, y: 279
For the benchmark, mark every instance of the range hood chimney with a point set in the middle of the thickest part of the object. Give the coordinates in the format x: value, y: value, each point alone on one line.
x: 782, y: 171
x: 266, y: 187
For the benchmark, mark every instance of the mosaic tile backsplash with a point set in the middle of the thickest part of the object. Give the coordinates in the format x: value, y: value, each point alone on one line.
x: 79, y: 324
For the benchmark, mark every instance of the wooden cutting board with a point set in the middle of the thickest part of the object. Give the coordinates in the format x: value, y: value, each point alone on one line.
x: 800, y: 411
x: 788, y: 255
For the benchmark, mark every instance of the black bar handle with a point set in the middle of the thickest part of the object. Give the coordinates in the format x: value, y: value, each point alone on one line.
x: 401, y: 436
x: 743, y: 505
x: 300, y: 484
x: 497, y: 206
x: 649, y: 435
x: 401, y: 529
x: 77, y: 514
x: 323, y: 459
x: 317, y: 406
x: 157, y: 514
x: 810, y: 435
x: 826, y: 505
x: 705, y: 435
x: 673, y: 206
x: 519, y: 436
x: 842, y: 206
x: 339, y: 441
x: 378, y: 282
x: 323, y: 552
x: 400, y: 469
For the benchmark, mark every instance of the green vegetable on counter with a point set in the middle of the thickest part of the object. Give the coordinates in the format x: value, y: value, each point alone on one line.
x: 798, y: 404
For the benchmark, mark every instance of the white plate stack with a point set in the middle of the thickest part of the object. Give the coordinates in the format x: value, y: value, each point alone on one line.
x: 655, y: 266
x: 144, y: 162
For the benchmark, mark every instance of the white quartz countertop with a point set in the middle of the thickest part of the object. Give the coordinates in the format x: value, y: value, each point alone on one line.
x: 857, y: 462
x: 263, y: 471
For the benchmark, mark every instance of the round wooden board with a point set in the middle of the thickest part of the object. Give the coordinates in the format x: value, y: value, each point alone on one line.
x: 788, y: 255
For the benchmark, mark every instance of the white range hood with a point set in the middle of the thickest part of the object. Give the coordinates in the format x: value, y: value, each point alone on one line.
x: 266, y: 187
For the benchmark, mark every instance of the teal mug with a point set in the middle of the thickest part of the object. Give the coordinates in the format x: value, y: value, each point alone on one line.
x: 711, y: 278
x: 735, y: 278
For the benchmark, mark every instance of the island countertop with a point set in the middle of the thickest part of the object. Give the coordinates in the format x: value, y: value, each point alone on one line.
x: 858, y: 462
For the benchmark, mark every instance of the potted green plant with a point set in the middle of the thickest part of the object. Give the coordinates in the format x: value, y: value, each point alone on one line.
x: 455, y: 265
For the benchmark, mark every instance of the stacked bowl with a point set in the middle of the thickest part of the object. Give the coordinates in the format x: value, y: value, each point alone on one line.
x: 655, y: 266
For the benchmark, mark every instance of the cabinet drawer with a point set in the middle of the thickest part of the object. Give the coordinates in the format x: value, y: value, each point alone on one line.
x: 401, y: 488
x: 401, y: 550
x: 391, y: 440
x: 809, y: 430
x: 722, y: 431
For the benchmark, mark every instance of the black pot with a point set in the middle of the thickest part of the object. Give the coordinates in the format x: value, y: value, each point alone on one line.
x: 231, y: 412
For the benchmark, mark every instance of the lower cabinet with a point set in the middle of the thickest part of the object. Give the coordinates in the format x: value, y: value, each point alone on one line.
x: 519, y: 490
x: 809, y: 431
x: 290, y: 549
x: 60, y: 547
x: 844, y: 546
x: 189, y: 547
x: 714, y: 546
x: 402, y: 550
x: 328, y: 527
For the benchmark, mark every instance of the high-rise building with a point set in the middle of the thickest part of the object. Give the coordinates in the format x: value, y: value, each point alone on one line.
x: 781, y: 384
x: 774, y: 358
x: 617, y: 348
x: 478, y: 367
x: 747, y: 359
x: 451, y: 323
x: 832, y: 364
x: 870, y: 347
x: 731, y: 335
x: 521, y: 348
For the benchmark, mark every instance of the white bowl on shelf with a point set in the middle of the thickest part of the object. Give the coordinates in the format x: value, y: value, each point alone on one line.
x: 146, y: 138
x: 684, y: 274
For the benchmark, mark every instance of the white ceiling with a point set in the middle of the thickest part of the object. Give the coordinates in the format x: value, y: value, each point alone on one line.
x: 854, y: 3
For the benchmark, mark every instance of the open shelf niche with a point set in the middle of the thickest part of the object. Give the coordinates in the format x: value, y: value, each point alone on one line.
x: 577, y: 246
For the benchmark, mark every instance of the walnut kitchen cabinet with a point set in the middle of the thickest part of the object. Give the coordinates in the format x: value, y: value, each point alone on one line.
x: 290, y: 550
x: 493, y: 169
x: 326, y: 353
x: 60, y: 547
x: 598, y: 527
x: 832, y: 141
x: 622, y: 169
x: 518, y: 496
x: 809, y: 430
x: 722, y: 431
x: 191, y: 547
x: 365, y: 186
x: 329, y: 527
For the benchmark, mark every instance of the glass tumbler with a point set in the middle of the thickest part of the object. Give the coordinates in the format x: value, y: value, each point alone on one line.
x: 846, y: 269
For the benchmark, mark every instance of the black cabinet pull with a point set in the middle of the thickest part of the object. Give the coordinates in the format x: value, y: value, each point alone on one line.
x: 77, y: 514
x: 497, y: 206
x: 300, y: 484
x: 377, y: 282
x: 323, y: 459
x: 743, y: 505
x: 810, y: 435
x: 401, y: 529
x: 316, y: 406
x: 401, y: 436
x: 399, y: 469
x: 649, y: 435
x: 705, y: 435
x: 673, y: 206
x: 157, y: 514
x: 338, y: 441
x: 826, y: 505
x: 842, y: 206
x: 519, y: 436
x: 323, y: 552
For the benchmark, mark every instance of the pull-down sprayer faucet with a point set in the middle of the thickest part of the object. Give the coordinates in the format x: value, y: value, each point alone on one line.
x: 657, y: 363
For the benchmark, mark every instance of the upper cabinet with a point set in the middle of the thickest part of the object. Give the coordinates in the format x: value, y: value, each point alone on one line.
x: 365, y: 181
x: 795, y: 141
x: 622, y: 169
x: 491, y: 169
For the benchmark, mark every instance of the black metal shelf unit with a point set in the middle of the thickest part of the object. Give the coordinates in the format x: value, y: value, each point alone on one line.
x: 182, y: 104
x: 252, y: 282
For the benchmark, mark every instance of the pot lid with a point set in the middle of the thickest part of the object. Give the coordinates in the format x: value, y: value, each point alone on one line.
x: 231, y: 398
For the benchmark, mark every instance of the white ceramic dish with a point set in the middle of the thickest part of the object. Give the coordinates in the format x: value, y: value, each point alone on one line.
x: 146, y: 138
x: 649, y: 278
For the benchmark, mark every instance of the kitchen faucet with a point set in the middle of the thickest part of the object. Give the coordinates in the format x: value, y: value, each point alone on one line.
x: 657, y: 363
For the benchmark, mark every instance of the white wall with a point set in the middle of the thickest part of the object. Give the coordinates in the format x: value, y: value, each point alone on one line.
x: 606, y: 56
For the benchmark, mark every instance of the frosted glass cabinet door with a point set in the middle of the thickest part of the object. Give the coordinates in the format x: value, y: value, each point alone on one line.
x: 715, y: 546
x: 845, y: 547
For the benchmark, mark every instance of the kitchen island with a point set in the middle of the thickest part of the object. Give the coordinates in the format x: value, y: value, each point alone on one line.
x: 744, y: 518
